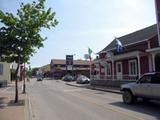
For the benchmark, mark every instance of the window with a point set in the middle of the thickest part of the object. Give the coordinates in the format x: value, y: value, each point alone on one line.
x: 145, y: 79
x: 132, y: 67
x: 156, y: 79
x: 119, y: 67
x: 1, y: 69
x: 108, y: 69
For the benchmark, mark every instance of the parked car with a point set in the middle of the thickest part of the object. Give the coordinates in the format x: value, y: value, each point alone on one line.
x: 81, y: 79
x: 39, y: 78
x: 67, y: 78
x: 147, y: 87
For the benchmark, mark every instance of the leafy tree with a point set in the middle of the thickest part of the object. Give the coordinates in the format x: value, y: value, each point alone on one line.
x: 20, y: 33
x: 33, y: 71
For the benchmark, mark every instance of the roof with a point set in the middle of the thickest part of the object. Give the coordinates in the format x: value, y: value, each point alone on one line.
x: 137, y: 36
x: 63, y: 61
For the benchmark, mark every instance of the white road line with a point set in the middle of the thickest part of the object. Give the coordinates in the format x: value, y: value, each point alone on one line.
x: 73, y: 90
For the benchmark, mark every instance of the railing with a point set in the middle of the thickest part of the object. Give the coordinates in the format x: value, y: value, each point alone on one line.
x: 115, y: 77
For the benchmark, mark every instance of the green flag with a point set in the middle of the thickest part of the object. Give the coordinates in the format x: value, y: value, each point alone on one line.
x: 90, y: 51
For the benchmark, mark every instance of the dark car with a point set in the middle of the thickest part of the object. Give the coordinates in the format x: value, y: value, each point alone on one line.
x: 67, y: 78
x: 81, y: 79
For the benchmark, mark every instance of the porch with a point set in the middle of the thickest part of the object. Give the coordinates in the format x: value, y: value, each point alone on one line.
x: 111, y: 81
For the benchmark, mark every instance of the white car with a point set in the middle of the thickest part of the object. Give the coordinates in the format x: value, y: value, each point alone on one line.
x: 147, y: 87
x: 81, y: 79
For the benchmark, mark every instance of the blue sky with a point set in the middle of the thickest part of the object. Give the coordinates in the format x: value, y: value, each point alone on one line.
x: 87, y: 23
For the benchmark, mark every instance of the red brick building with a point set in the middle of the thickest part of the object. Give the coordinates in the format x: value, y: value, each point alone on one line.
x: 141, y: 54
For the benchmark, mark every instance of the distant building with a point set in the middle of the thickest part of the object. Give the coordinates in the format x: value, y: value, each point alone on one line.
x: 5, y: 73
x: 140, y: 54
x: 58, y: 68
x: 46, y: 70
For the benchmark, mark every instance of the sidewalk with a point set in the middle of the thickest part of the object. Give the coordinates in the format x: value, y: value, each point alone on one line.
x: 100, y: 88
x: 10, y: 110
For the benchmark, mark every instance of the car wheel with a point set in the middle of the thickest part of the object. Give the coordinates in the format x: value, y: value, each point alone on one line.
x: 128, y: 97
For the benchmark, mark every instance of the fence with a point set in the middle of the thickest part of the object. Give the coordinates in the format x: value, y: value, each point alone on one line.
x: 115, y: 77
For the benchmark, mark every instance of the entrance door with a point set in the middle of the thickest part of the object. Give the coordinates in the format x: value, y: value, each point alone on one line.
x: 119, y: 70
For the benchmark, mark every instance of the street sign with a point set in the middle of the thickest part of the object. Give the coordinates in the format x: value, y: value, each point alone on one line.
x: 69, y: 67
x: 69, y: 62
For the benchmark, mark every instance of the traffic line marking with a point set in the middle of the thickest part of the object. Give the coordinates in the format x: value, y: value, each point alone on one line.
x: 73, y: 90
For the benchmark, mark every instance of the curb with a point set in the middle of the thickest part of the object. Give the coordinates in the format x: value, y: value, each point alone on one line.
x: 105, y: 90
x: 28, y: 109
x: 74, y: 85
x: 94, y: 88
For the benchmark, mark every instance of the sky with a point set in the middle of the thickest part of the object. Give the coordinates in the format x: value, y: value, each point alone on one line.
x: 87, y: 23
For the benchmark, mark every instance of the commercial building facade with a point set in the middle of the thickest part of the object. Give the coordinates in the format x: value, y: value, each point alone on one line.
x: 58, y: 68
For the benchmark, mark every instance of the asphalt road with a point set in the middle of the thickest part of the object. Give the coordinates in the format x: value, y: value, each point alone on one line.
x: 54, y: 100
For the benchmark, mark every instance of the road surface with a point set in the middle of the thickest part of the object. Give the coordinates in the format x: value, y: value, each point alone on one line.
x: 54, y: 100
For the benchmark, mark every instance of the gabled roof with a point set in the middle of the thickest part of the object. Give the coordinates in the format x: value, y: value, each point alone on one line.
x: 63, y: 61
x: 137, y: 36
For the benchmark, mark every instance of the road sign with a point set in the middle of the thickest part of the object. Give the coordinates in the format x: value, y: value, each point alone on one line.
x: 69, y: 62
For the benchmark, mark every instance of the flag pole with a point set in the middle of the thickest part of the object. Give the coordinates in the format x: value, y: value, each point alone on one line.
x: 90, y: 51
x: 90, y: 69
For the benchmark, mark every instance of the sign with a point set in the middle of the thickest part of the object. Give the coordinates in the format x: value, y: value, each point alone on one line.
x: 69, y: 67
x: 109, y: 55
x: 69, y: 62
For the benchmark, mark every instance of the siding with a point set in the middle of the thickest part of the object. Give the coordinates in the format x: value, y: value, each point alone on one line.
x: 154, y: 42
x: 125, y: 67
x: 144, y: 64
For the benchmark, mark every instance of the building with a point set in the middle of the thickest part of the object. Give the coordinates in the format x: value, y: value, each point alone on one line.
x: 5, y: 73
x: 58, y: 68
x: 141, y: 54
x: 46, y: 70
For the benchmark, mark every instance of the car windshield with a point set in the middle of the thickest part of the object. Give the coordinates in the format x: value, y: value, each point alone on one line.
x: 83, y: 77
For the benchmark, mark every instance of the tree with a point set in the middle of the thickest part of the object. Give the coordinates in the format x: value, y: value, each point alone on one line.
x: 20, y: 33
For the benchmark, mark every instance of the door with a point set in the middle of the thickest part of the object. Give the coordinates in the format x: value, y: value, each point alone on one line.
x: 143, y: 86
x: 119, y: 70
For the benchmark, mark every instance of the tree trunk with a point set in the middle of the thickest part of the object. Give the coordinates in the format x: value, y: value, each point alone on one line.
x: 16, y: 81
x: 16, y: 85
x: 24, y: 82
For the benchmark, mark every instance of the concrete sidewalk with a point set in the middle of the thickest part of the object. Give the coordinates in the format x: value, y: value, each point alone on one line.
x: 101, y: 88
x: 10, y: 110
